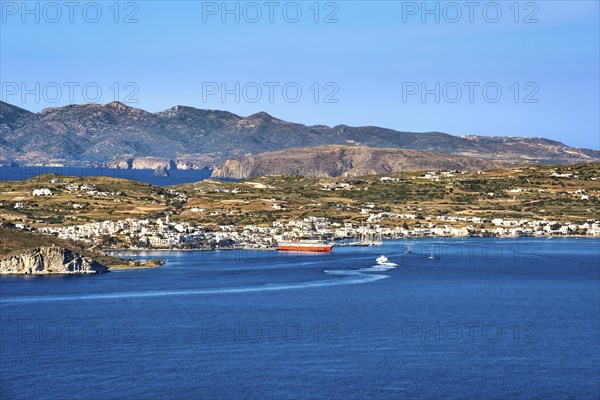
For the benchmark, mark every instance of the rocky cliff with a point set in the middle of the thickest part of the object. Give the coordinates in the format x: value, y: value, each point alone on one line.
x: 49, y: 260
x: 333, y: 161
x: 198, y: 162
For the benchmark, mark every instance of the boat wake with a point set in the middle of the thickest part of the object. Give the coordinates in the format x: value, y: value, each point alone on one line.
x: 380, y: 267
x: 347, y: 277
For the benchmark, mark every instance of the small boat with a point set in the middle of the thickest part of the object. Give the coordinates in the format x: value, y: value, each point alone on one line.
x: 382, y: 260
x: 431, y: 257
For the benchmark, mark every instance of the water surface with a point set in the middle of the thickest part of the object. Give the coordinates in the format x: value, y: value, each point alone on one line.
x: 484, y: 318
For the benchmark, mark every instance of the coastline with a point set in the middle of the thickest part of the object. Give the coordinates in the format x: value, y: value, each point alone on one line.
x: 416, y: 238
x: 183, y: 250
x: 123, y: 267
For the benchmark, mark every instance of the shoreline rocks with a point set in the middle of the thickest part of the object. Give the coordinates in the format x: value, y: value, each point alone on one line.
x: 48, y: 260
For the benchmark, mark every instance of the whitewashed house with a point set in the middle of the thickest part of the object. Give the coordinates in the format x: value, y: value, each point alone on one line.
x: 42, y: 192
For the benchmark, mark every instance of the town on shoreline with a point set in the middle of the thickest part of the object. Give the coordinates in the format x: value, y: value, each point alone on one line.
x: 164, y: 234
x: 106, y: 213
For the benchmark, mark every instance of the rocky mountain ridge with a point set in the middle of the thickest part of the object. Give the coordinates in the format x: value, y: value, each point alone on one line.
x: 115, y: 134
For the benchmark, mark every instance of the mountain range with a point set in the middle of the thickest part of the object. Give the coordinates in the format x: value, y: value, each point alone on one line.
x: 117, y: 135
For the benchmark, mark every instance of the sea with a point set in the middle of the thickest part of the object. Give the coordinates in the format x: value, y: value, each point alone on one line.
x: 175, y: 177
x: 476, y: 318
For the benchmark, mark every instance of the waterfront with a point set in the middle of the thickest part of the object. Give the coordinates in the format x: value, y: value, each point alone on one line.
x: 253, y: 324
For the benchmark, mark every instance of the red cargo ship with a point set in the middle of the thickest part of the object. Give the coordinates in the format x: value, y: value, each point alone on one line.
x: 312, y: 246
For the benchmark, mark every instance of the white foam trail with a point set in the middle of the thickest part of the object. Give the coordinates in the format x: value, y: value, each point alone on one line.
x: 351, y: 277
x: 379, y: 268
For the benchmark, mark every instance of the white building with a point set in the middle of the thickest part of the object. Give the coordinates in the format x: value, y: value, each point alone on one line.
x: 42, y: 192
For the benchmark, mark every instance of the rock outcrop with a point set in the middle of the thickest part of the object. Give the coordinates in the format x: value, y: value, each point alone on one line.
x: 333, y: 161
x: 199, y: 162
x: 161, y: 171
x: 50, y: 260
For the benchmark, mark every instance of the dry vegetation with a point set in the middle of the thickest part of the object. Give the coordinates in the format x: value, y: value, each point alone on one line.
x: 542, y: 196
x: 68, y: 206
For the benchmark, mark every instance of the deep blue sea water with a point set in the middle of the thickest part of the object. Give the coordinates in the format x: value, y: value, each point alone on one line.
x: 485, y: 318
x: 176, y: 177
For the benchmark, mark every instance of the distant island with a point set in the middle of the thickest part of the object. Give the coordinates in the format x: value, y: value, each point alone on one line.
x: 118, y: 136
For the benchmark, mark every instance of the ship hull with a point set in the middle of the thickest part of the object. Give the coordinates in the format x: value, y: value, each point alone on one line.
x: 306, y: 248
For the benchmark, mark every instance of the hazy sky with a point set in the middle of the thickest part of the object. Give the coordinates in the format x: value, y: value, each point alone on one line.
x: 486, y: 68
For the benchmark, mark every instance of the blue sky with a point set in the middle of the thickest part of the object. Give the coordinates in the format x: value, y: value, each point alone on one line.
x: 353, y: 62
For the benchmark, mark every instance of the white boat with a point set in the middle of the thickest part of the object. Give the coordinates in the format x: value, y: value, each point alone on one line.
x: 382, y: 260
